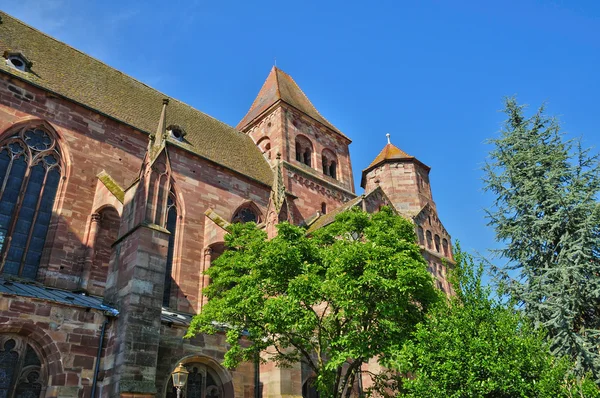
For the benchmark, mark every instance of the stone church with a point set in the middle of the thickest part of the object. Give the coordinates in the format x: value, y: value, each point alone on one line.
x: 114, y: 200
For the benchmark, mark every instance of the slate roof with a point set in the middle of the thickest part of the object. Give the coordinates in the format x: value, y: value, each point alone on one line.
x: 34, y: 290
x: 280, y: 86
x: 69, y: 73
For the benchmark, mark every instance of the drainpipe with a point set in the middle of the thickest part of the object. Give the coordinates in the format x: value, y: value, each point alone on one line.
x: 97, y: 367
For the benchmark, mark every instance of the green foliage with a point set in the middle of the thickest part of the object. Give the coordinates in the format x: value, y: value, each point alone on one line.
x: 351, y: 292
x: 546, y: 213
x: 473, y: 345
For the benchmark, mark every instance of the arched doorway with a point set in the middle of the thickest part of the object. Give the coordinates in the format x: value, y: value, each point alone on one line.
x: 205, y: 380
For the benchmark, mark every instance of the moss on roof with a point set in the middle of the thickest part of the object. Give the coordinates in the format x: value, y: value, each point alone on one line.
x: 63, y: 70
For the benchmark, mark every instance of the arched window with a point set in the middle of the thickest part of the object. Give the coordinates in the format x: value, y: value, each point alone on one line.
x: 30, y: 172
x: 437, y: 243
x: 246, y: 214
x: 22, y: 374
x: 265, y: 146
x: 429, y: 239
x: 304, y: 149
x: 421, y: 235
x: 445, y: 247
x: 172, y: 228
x: 329, y: 161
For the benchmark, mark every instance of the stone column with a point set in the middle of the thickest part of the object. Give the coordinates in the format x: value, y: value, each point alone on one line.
x: 91, y: 250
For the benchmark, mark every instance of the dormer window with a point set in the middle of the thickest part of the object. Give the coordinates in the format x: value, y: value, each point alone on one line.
x: 176, y: 132
x: 17, y: 61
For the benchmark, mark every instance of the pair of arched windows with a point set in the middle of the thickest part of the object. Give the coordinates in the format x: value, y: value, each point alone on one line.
x: 328, y: 161
x: 304, y: 154
x: 30, y: 174
x: 22, y: 374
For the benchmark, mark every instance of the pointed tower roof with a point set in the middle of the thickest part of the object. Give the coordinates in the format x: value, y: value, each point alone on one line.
x: 280, y: 86
x: 390, y: 153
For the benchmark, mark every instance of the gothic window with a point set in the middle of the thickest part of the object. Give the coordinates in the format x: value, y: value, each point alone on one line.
x: 298, y: 152
x: 30, y: 172
x: 21, y: 373
x: 325, y: 165
x: 245, y: 214
x: 172, y: 228
x: 437, y: 243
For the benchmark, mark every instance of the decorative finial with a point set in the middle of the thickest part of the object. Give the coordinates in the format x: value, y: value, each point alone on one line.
x: 388, y: 137
x: 276, y: 62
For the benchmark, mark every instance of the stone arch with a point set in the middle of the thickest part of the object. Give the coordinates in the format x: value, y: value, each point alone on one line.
x: 220, y: 375
x: 42, y: 343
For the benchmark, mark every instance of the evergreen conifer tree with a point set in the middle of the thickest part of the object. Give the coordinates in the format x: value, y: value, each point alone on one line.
x: 546, y: 212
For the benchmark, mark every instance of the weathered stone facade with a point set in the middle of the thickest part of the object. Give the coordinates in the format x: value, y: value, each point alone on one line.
x: 140, y: 214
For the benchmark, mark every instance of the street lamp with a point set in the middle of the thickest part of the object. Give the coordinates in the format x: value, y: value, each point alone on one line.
x: 179, y: 375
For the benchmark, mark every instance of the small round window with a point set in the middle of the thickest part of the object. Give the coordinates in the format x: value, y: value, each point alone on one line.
x: 177, y: 134
x: 16, y: 62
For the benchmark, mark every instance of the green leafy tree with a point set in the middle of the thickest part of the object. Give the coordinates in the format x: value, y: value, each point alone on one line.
x: 474, y: 345
x: 547, y: 215
x: 352, y: 291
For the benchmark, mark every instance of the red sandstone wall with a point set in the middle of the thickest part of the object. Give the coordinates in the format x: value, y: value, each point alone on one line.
x: 93, y: 143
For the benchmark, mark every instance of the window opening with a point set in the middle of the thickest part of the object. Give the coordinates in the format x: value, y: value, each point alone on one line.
x: 172, y: 228
x: 244, y: 215
x: 17, y: 62
x: 307, y: 157
x: 29, y: 177
x: 20, y: 369
x: 323, y: 208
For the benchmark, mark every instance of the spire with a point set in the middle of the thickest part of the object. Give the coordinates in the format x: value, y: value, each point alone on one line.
x: 280, y: 86
x: 388, y: 137
x: 157, y: 141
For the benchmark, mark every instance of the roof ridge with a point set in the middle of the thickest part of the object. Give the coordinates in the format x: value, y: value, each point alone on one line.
x: 118, y: 71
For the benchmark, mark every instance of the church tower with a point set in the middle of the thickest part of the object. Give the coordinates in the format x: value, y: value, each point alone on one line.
x: 405, y: 181
x: 314, y: 156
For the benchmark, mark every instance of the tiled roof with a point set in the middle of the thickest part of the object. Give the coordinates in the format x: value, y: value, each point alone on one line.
x: 72, y: 74
x: 34, y: 290
x: 328, y: 218
x: 280, y: 86
x: 390, y: 152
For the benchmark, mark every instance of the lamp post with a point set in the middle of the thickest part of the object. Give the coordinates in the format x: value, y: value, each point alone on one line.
x: 180, y: 376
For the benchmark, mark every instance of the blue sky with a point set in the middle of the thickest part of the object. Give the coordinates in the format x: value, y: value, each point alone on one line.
x: 431, y: 73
